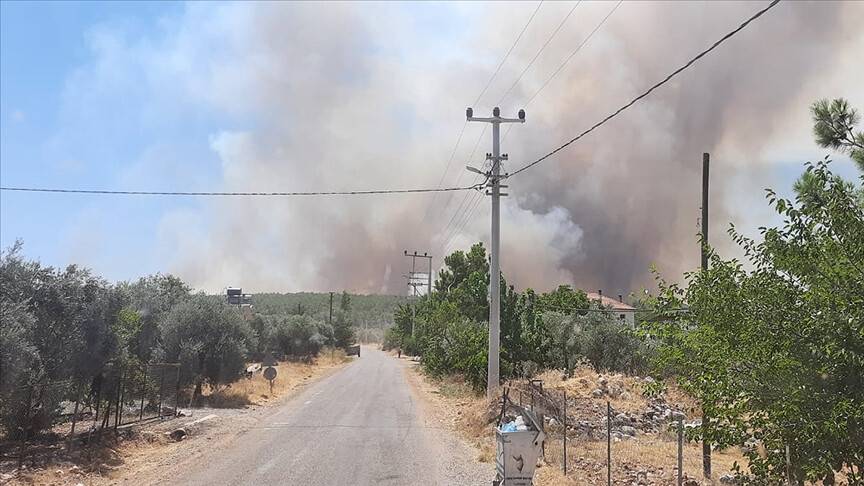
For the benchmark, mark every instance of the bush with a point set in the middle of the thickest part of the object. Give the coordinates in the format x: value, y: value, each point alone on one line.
x: 461, y: 348
x: 209, y: 338
x: 298, y: 335
x: 610, y: 344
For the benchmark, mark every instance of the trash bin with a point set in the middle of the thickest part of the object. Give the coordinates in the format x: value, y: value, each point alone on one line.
x: 517, y: 453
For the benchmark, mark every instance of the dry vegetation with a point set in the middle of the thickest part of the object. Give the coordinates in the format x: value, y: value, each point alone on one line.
x: 655, y: 454
x: 289, y: 375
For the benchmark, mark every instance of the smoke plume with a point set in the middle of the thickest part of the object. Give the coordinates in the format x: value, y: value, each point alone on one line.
x: 366, y: 96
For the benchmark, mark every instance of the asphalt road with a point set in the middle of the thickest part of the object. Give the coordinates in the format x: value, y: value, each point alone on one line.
x: 359, y: 426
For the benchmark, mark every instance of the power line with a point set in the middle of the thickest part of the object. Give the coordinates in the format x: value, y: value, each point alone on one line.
x: 531, y: 62
x: 567, y: 61
x: 578, y: 48
x: 255, y: 194
x: 468, y: 215
x: 488, y: 83
x: 651, y: 89
x: 469, y: 209
x: 500, y: 64
x: 447, y: 168
x: 459, y: 178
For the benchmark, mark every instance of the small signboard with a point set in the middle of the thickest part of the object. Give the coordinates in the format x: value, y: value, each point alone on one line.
x: 270, y: 375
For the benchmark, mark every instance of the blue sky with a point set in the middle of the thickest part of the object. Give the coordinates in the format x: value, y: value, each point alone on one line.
x: 197, y: 97
x: 48, y: 139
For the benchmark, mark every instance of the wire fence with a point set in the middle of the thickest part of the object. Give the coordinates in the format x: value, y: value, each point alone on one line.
x: 80, y: 411
x: 594, y: 443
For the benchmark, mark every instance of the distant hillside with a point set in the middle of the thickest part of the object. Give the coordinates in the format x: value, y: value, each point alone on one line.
x: 373, y: 311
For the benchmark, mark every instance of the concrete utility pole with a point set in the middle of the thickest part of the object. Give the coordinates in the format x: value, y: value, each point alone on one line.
x: 494, y: 184
x: 427, y: 256
x: 706, y: 420
x: 330, y: 319
x: 412, y: 282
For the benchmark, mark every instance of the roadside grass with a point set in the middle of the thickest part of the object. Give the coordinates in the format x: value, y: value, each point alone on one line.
x: 256, y: 390
x: 471, y: 415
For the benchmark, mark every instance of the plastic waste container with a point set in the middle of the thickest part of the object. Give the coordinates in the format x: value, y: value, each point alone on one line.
x: 517, y: 452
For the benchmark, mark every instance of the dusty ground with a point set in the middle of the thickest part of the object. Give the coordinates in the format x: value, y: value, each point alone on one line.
x: 651, y: 454
x: 141, y: 453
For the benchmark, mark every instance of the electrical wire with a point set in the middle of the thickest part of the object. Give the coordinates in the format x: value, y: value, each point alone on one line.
x: 500, y: 64
x: 485, y: 88
x: 241, y: 194
x: 651, y: 89
x: 575, y: 51
x: 531, y: 62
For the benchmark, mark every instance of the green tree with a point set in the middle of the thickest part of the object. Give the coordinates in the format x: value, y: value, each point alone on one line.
x: 343, y: 326
x: 776, y: 353
x: 209, y: 338
x: 152, y: 297
x: 834, y: 127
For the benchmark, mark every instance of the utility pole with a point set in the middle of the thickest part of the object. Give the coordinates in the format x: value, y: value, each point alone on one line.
x: 706, y: 445
x: 413, y: 283
x: 494, y: 184
x: 330, y: 319
x: 427, y: 256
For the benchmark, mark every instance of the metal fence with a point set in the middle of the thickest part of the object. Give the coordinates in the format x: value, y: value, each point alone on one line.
x: 82, y: 410
x: 594, y: 443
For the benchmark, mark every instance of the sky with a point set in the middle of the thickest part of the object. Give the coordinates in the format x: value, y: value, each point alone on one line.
x: 166, y: 96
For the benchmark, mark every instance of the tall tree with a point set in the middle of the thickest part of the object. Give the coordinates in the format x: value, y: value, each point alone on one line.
x: 778, y: 352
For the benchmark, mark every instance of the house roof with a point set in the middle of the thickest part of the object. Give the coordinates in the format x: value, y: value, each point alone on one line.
x: 609, y: 302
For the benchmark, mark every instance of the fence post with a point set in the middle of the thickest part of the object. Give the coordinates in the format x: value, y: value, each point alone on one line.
x: 74, y: 417
x: 565, y: 432
x: 161, y: 391
x: 177, y: 392
x: 789, y: 466
x: 107, y: 417
x: 680, y: 451
x: 143, y: 394
x: 118, y: 414
x: 608, y: 444
x: 26, y: 426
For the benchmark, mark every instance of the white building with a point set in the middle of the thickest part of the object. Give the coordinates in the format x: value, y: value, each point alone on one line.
x: 619, y: 309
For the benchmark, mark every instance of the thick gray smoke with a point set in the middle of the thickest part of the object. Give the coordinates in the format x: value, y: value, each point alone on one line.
x: 355, y: 96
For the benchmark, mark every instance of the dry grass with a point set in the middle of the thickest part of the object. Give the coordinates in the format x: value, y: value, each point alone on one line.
x: 472, y: 416
x: 256, y: 390
x: 654, y: 455
x: 585, y: 380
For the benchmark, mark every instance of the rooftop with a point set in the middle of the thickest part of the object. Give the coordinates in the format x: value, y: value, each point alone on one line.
x: 610, y: 302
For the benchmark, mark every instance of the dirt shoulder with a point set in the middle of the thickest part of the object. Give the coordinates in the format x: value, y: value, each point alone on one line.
x: 143, y: 454
x: 648, y: 456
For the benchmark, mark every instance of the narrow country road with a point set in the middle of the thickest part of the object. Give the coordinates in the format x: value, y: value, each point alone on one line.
x: 359, y: 426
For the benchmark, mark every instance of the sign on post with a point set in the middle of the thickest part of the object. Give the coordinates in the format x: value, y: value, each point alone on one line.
x: 270, y: 375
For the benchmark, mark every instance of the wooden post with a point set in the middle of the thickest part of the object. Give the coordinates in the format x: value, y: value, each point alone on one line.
x: 680, y: 451
x: 143, y: 394
x: 177, y: 392
x: 706, y: 419
x: 608, y: 444
x: 26, y: 427
x: 565, y: 432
